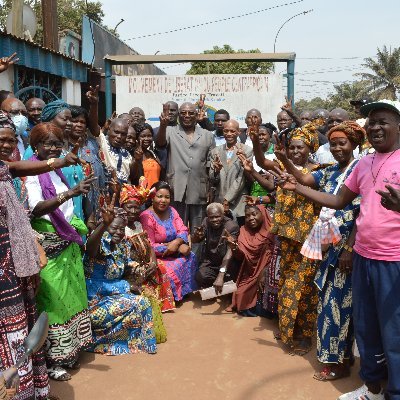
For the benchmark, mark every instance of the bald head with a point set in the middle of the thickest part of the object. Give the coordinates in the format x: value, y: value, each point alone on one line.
x: 284, y: 120
x: 336, y: 117
x: 231, y: 132
x: 138, y: 115
x: 253, y: 115
x: 34, y: 107
x: 13, y: 106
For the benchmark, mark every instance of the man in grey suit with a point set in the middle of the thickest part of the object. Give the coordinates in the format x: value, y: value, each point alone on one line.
x: 189, y: 148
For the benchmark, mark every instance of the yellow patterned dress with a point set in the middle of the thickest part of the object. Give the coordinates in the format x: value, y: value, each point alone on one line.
x: 297, y: 296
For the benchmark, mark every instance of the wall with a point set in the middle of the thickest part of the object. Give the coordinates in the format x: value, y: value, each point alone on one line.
x: 71, y: 92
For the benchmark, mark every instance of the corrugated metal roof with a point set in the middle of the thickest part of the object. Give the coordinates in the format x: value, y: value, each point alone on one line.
x: 33, y: 55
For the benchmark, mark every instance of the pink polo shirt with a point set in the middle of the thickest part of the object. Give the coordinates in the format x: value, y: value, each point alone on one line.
x: 378, y: 229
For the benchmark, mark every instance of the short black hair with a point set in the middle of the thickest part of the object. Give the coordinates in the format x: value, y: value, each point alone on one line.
x: 161, y: 185
x: 139, y: 128
x: 223, y: 112
x: 76, y: 111
x: 269, y: 127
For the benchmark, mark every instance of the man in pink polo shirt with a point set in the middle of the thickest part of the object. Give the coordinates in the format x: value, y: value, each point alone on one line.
x: 376, y: 260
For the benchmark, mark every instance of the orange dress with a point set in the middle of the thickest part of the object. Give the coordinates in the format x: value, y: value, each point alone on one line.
x: 151, y: 171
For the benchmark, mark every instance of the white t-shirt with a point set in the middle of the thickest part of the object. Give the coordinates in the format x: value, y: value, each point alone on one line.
x: 35, y: 195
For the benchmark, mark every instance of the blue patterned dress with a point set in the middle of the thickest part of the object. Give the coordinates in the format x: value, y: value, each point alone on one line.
x: 334, y: 324
x: 122, y: 322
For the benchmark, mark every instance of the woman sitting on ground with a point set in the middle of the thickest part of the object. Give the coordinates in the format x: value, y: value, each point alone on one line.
x: 131, y: 199
x: 122, y: 322
x: 169, y: 237
x: 253, y: 247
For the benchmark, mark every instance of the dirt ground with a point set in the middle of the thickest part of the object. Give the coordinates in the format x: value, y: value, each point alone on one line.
x: 209, y: 355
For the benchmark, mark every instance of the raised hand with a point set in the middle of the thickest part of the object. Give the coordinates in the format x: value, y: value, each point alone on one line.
x: 391, y: 199
x: 251, y: 200
x: 114, y: 182
x: 280, y: 148
x: 217, y: 164
x: 231, y: 241
x: 107, y: 211
x: 246, y: 163
x: 84, y: 186
x: 288, y: 105
x: 285, y: 180
x: 5, y: 62
x: 93, y: 94
x: 164, y: 117
x: 252, y: 130
x: 201, y: 114
x: 138, y: 154
x: 199, y: 233
x: 72, y: 157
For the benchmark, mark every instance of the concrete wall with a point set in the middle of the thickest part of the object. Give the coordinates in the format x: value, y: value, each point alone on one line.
x: 71, y: 92
x: 7, y: 79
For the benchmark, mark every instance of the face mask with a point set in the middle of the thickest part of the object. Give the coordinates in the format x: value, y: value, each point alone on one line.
x: 21, y: 123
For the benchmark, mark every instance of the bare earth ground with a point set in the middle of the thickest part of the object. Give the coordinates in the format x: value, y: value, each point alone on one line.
x: 209, y: 355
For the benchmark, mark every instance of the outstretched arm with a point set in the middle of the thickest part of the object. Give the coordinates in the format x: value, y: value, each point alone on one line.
x: 161, y: 138
x: 281, y: 155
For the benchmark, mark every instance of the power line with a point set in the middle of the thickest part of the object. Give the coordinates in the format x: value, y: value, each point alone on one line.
x: 215, y: 21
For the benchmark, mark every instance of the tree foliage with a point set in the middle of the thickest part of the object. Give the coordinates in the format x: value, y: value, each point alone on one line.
x: 69, y: 14
x: 384, y: 79
x: 340, y: 98
x: 203, y: 68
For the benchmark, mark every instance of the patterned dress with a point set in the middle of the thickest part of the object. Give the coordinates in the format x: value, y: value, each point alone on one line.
x: 17, y: 316
x: 181, y: 270
x: 122, y: 322
x: 335, y: 328
x: 297, y: 296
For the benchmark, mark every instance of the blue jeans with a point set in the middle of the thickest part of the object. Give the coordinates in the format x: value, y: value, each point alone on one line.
x: 376, y: 313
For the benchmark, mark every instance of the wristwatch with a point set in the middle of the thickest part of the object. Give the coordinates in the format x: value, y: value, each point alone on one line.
x: 222, y: 270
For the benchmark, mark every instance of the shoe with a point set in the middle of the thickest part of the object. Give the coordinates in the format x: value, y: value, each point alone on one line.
x: 362, y: 393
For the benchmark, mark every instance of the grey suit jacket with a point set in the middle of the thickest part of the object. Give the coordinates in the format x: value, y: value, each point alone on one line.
x: 188, y: 163
x: 230, y: 183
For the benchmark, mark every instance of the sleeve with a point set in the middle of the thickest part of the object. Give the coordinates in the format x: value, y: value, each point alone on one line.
x: 181, y: 228
x: 318, y: 176
x: 233, y: 228
x: 210, y: 148
x: 150, y: 226
x: 34, y: 191
x: 352, y: 181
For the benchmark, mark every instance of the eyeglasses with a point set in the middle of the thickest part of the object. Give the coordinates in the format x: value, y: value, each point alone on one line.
x: 190, y: 113
x: 49, y: 145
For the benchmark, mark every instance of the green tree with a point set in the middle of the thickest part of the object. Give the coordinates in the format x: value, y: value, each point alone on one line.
x: 69, y: 13
x: 310, y: 105
x: 384, y: 80
x: 203, y: 68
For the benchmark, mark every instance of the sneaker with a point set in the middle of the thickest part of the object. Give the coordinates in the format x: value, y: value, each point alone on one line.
x: 362, y: 393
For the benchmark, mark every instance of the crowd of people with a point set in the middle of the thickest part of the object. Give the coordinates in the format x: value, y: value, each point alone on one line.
x: 106, y: 228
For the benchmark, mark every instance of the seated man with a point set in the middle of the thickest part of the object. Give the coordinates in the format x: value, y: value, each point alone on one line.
x: 214, y: 269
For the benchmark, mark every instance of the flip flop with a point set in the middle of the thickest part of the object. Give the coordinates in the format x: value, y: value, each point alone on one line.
x: 75, y: 365
x: 58, y: 373
x: 327, y: 374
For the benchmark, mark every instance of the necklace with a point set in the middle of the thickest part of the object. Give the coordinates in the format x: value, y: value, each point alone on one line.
x: 375, y: 177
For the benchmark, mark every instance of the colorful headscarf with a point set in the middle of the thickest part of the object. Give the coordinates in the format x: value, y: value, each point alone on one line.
x: 308, y: 134
x: 6, y: 121
x: 50, y: 110
x: 139, y: 193
x: 354, y: 132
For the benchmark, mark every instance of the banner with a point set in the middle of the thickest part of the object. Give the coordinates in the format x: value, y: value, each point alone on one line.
x: 235, y: 93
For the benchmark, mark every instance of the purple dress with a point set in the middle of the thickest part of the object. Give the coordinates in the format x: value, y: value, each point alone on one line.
x: 180, y: 270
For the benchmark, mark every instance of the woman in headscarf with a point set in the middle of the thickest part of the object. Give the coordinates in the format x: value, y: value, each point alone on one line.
x: 122, y: 321
x: 334, y: 232
x: 254, y: 247
x: 62, y: 293
x: 19, y: 265
x: 293, y: 219
x: 157, y: 283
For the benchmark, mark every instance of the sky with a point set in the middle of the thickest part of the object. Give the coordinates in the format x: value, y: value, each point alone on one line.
x: 330, y: 42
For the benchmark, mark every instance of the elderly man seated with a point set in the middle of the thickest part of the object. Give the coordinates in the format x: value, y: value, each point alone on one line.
x: 216, y: 265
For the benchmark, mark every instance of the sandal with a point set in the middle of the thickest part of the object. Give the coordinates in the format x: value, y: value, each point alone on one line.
x: 277, y: 335
x: 58, y: 373
x: 75, y: 365
x: 331, y: 373
x: 301, y: 349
